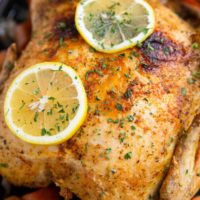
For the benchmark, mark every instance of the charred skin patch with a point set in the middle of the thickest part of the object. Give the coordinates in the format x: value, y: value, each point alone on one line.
x: 61, y: 30
x: 147, y: 64
x: 158, y: 49
x: 64, y: 28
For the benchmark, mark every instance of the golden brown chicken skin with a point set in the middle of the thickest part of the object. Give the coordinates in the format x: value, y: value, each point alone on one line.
x: 140, y: 100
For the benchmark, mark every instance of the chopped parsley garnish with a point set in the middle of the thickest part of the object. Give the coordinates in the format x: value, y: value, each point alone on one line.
x: 50, y: 112
x: 196, y: 74
x: 62, y: 117
x: 114, y: 121
x: 122, y: 55
x: 60, y: 68
x: 139, y: 44
x: 43, y: 132
x: 61, y: 25
x: 22, y: 105
x: 134, y: 53
x: 36, y: 91
x: 67, y: 117
x: 183, y: 92
x: 10, y: 66
x: 128, y: 155
x: 166, y: 50
x: 114, y: 5
x: 195, y: 45
x: 108, y: 150
x: 121, y: 123
x: 58, y: 127
x: 36, y: 117
x: 87, y: 74
x: 3, y: 165
x: 47, y: 36
x: 61, y: 111
x: 99, y: 72
x: 149, y: 47
x: 61, y: 41
x: 150, y: 197
x: 59, y: 105
x: 122, y: 137
x: 127, y: 75
x: 144, y: 30
x: 75, y: 108
x: 128, y: 93
x: 91, y: 49
x: 51, y: 98
x: 104, y: 65
x: 97, y: 98
x: 133, y: 128
x: 119, y: 107
x: 191, y: 81
x: 130, y: 118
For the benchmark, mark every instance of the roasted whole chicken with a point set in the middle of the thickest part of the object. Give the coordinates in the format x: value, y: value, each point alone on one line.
x: 146, y: 148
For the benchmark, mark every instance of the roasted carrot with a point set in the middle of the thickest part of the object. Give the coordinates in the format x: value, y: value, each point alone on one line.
x: 192, y: 2
x: 197, y: 198
x: 13, y: 198
x: 43, y: 194
x: 2, y: 57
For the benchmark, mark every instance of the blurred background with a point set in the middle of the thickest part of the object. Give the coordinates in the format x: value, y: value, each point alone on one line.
x: 15, y: 27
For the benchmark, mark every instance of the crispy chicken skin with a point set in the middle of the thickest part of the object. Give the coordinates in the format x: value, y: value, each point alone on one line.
x: 139, y: 103
x: 182, y: 180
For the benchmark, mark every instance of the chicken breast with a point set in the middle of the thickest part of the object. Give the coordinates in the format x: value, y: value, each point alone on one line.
x: 140, y: 100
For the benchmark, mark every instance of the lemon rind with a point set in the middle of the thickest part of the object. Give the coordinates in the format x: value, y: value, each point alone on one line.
x: 87, y: 36
x: 73, y: 126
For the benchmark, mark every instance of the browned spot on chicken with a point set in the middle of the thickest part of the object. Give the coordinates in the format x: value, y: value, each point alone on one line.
x: 147, y: 64
x: 64, y: 28
x: 111, y: 93
x: 159, y: 48
x: 66, y: 193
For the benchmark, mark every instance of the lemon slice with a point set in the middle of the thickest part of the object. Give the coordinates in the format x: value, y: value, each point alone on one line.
x: 46, y: 104
x: 114, y: 25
